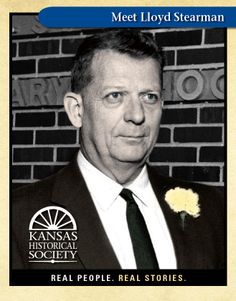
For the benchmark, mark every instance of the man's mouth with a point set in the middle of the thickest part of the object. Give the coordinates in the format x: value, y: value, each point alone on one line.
x: 132, y: 138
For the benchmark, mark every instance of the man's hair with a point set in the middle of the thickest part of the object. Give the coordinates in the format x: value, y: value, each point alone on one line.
x: 125, y: 41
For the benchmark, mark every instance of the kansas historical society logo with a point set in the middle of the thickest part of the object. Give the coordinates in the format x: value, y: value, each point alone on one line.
x: 52, y: 236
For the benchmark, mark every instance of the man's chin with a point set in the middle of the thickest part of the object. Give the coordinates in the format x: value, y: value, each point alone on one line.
x: 131, y: 158
x: 129, y: 154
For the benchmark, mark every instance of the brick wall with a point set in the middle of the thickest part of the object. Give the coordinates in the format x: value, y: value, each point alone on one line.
x: 191, y: 141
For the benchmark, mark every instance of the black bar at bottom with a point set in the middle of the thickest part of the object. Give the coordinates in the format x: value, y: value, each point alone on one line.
x: 118, y: 277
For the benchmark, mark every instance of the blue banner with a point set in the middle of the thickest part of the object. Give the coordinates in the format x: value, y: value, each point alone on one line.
x: 109, y: 17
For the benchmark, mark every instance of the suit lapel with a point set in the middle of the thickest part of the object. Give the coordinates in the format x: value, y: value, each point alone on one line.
x: 194, y: 248
x: 160, y: 186
x: 94, y: 248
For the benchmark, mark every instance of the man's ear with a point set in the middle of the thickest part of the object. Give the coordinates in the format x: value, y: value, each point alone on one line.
x: 73, y: 104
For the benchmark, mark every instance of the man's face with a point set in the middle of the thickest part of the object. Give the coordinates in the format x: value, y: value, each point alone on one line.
x: 122, y: 109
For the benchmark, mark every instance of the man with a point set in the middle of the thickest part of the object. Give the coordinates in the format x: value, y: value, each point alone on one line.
x: 127, y: 215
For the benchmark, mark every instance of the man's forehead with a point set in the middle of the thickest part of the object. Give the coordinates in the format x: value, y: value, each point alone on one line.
x: 111, y: 69
x: 106, y: 56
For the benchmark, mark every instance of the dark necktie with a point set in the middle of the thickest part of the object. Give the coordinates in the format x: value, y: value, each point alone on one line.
x: 142, y: 246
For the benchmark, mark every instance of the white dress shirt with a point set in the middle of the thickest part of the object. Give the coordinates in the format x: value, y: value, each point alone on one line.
x: 111, y: 208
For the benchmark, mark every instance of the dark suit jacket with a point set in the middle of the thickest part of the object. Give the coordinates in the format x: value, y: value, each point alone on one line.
x: 200, y: 245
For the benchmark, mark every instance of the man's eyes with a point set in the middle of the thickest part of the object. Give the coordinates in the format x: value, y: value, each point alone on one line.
x: 118, y: 97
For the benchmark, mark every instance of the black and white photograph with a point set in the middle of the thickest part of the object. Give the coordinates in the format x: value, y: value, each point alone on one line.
x: 118, y: 150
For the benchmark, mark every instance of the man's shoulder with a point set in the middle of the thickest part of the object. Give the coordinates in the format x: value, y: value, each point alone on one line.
x: 154, y: 174
x: 32, y: 197
x: 44, y: 187
x: 207, y: 193
x: 33, y: 190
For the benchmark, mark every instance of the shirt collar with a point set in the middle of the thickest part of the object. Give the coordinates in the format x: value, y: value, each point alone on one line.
x: 140, y: 185
x: 104, y: 190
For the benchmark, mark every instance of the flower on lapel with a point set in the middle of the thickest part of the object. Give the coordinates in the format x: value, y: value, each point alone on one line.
x: 183, y: 201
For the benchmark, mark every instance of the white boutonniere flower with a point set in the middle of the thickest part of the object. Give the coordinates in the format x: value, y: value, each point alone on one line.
x: 183, y: 201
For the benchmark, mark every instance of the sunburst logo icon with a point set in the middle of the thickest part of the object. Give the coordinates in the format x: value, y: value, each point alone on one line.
x: 52, y: 218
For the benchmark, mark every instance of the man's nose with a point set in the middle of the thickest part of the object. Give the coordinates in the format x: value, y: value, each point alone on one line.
x: 134, y: 111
